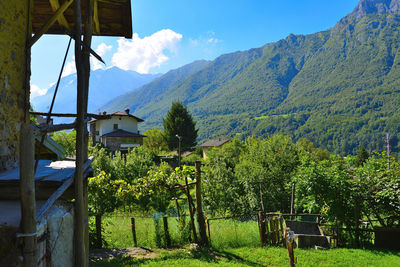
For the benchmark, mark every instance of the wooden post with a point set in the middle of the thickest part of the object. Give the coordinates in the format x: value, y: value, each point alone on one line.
x: 191, y: 211
x: 166, y: 232
x: 27, y: 190
x: 289, y: 236
x: 261, y: 227
x: 208, y: 228
x: 292, y: 199
x: 134, y: 231
x: 200, y: 214
x: 262, y: 198
x: 98, y: 232
x: 80, y: 247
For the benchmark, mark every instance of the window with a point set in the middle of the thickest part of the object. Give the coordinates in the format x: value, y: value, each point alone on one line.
x: 115, y: 126
x: 127, y: 140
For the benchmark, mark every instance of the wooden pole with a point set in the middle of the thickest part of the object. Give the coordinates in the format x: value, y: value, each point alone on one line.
x: 27, y: 188
x: 133, y: 225
x: 87, y: 40
x: 166, y: 232
x: 262, y: 198
x: 289, y: 236
x: 200, y: 214
x: 191, y: 211
x: 98, y: 231
x: 261, y: 227
x: 292, y: 199
x: 80, y: 247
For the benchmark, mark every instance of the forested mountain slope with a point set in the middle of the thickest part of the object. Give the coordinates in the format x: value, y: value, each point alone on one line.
x: 339, y: 88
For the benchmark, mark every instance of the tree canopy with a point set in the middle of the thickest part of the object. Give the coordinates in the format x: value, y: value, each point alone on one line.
x: 180, y: 122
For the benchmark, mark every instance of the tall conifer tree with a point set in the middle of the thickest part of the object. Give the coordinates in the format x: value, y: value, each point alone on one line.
x: 180, y: 122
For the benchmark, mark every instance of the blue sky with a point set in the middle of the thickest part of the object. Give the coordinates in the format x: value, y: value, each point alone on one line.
x: 170, y: 34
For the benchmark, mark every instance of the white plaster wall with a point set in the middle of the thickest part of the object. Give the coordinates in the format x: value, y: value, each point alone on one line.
x: 125, y: 123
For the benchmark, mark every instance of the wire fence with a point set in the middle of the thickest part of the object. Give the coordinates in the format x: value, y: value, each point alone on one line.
x: 235, y: 231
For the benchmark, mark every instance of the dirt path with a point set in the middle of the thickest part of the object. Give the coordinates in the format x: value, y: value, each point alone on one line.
x: 107, y: 253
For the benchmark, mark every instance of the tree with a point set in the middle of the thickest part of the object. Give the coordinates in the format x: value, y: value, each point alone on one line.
x: 67, y: 141
x: 180, y: 122
x: 362, y: 156
x: 155, y: 141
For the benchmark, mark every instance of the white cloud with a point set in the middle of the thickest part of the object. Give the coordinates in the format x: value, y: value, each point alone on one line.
x: 213, y: 40
x: 36, y: 91
x: 101, y: 50
x: 143, y: 54
x: 69, y: 68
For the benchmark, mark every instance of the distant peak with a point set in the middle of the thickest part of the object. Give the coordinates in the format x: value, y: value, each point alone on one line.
x: 366, y: 7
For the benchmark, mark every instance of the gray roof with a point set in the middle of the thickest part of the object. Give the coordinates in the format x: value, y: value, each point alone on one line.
x: 122, y: 133
x: 215, y: 142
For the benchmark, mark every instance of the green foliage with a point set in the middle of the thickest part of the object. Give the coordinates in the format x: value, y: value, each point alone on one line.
x: 271, y: 162
x: 67, y: 140
x: 362, y: 156
x: 325, y: 187
x: 180, y: 122
x: 155, y: 141
x: 105, y: 193
x: 378, y: 180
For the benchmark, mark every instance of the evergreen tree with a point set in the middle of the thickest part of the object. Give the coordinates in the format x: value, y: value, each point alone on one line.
x: 362, y: 156
x: 180, y: 122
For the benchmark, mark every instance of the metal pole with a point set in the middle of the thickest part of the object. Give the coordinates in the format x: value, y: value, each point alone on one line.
x: 179, y: 150
x: 293, y: 196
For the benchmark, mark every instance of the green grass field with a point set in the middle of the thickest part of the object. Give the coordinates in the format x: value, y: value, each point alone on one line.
x: 234, y: 243
x: 268, y: 256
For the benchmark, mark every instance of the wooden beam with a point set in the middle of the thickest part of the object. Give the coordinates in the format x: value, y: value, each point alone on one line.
x: 50, y: 22
x: 27, y: 193
x: 96, y: 21
x: 55, y: 5
x: 71, y: 115
x: 79, y: 239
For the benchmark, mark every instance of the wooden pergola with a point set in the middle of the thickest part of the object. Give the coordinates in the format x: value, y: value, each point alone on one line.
x: 80, y: 19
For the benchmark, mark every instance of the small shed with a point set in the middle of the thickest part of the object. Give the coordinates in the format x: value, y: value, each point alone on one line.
x: 214, y: 143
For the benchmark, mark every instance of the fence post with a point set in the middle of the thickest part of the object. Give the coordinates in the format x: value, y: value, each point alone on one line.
x: 166, y: 232
x: 208, y: 228
x: 98, y: 231
x: 289, y: 237
x: 134, y: 231
x: 200, y: 215
x: 261, y: 227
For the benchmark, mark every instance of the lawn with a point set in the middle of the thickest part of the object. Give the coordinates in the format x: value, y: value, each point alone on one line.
x: 267, y: 256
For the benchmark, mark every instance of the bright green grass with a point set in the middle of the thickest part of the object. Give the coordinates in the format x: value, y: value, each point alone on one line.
x: 234, y: 233
x: 224, y: 233
x: 268, y: 256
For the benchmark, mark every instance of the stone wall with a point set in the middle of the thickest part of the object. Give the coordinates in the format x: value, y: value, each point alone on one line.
x: 13, y: 24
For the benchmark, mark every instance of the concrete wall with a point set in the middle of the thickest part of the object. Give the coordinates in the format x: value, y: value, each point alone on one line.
x: 13, y: 21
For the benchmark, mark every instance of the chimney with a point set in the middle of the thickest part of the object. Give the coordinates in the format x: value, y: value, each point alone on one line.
x: 104, y: 112
x: 127, y: 111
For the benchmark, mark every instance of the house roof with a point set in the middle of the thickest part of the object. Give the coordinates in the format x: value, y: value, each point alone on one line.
x: 119, y: 113
x: 215, y: 142
x: 111, y: 17
x: 122, y: 133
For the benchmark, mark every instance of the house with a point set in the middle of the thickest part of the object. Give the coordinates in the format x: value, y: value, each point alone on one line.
x: 210, y: 144
x: 43, y: 210
x: 118, y: 132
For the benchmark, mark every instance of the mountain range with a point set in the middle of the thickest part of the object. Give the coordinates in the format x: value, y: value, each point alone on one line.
x: 340, y: 88
x: 104, y: 85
